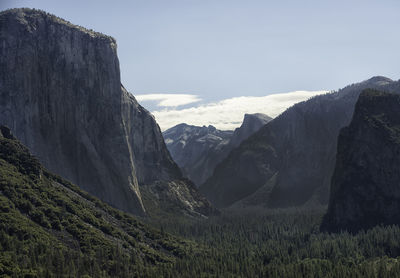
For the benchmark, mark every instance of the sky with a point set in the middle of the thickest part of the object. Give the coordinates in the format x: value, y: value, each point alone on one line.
x: 189, y: 54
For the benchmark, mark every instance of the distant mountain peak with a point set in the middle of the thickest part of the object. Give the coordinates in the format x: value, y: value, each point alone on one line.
x: 256, y: 116
x: 211, y: 128
x: 197, y: 150
x: 251, y: 123
x: 379, y: 80
x: 290, y: 160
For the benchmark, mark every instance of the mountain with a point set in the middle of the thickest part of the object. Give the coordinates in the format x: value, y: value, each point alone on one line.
x: 251, y: 123
x: 289, y: 161
x: 191, y: 147
x: 51, y: 228
x: 197, y: 150
x: 365, y: 188
x: 61, y: 95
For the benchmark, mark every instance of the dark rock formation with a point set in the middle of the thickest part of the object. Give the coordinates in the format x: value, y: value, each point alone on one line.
x: 251, y: 124
x: 191, y: 148
x: 197, y: 150
x: 5, y: 132
x: 365, y: 189
x: 65, y: 225
x: 61, y: 95
x: 289, y: 162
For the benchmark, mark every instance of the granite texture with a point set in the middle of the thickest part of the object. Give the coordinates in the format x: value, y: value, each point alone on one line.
x: 198, y: 150
x: 61, y: 95
x: 365, y: 188
x: 289, y: 161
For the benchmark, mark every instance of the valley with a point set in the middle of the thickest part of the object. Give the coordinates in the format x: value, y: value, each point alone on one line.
x: 90, y: 185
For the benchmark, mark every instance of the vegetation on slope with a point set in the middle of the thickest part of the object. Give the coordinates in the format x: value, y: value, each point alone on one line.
x: 49, y: 227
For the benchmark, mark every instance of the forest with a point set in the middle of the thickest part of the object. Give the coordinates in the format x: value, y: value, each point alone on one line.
x: 283, y: 243
x: 91, y: 189
x: 50, y: 228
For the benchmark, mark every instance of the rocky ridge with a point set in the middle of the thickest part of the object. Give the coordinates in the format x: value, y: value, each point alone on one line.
x: 251, y: 124
x: 197, y: 150
x: 61, y: 95
x: 365, y: 189
x: 290, y: 160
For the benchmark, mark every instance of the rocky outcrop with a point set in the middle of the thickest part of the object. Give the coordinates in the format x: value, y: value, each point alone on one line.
x: 365, y: 188
x: 291, y: 159
x: 41, y: 211
x: 197, y: 150
x: 61, y: 95
x: 251, y: 124
x: 192, y: 146
x: 5, y: 132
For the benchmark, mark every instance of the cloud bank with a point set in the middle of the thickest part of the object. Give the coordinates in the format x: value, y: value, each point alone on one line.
x: 169, y: 100
x: 226, y: 114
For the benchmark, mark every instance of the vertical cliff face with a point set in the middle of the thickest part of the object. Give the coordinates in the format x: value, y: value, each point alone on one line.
x: 197, y: 150
x: 60, y: 93
x: 251, y: 124
x: 289, y: 161
x: 151, y: 157
x: 365, y: 188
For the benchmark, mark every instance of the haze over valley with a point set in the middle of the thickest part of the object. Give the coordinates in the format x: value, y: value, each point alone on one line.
x: 212, y: 148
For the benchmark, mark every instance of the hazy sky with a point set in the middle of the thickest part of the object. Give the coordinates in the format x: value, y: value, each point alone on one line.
x: 222, y: 49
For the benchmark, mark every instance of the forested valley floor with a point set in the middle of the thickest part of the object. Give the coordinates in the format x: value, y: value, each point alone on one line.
x: 51, y: 228
x: 282, y: 243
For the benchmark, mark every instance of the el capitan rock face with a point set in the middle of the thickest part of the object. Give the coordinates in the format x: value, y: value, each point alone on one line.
x: 42, y: 211
x: 61, y: 95
x: 197, y: 150
x: 365, y: 189
x: 289, y: 161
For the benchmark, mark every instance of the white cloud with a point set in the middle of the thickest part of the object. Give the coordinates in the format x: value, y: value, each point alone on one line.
x: 228, y: 114
x: 169, y: 100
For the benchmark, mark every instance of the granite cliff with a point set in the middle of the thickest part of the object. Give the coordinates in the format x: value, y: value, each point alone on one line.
x: 289, y: 161
x: 197, y: 150
x: 47, y: 222
x: 365, y: 188
x: 251, y: 124
x: 61, y: 95
x: 191, y: 147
